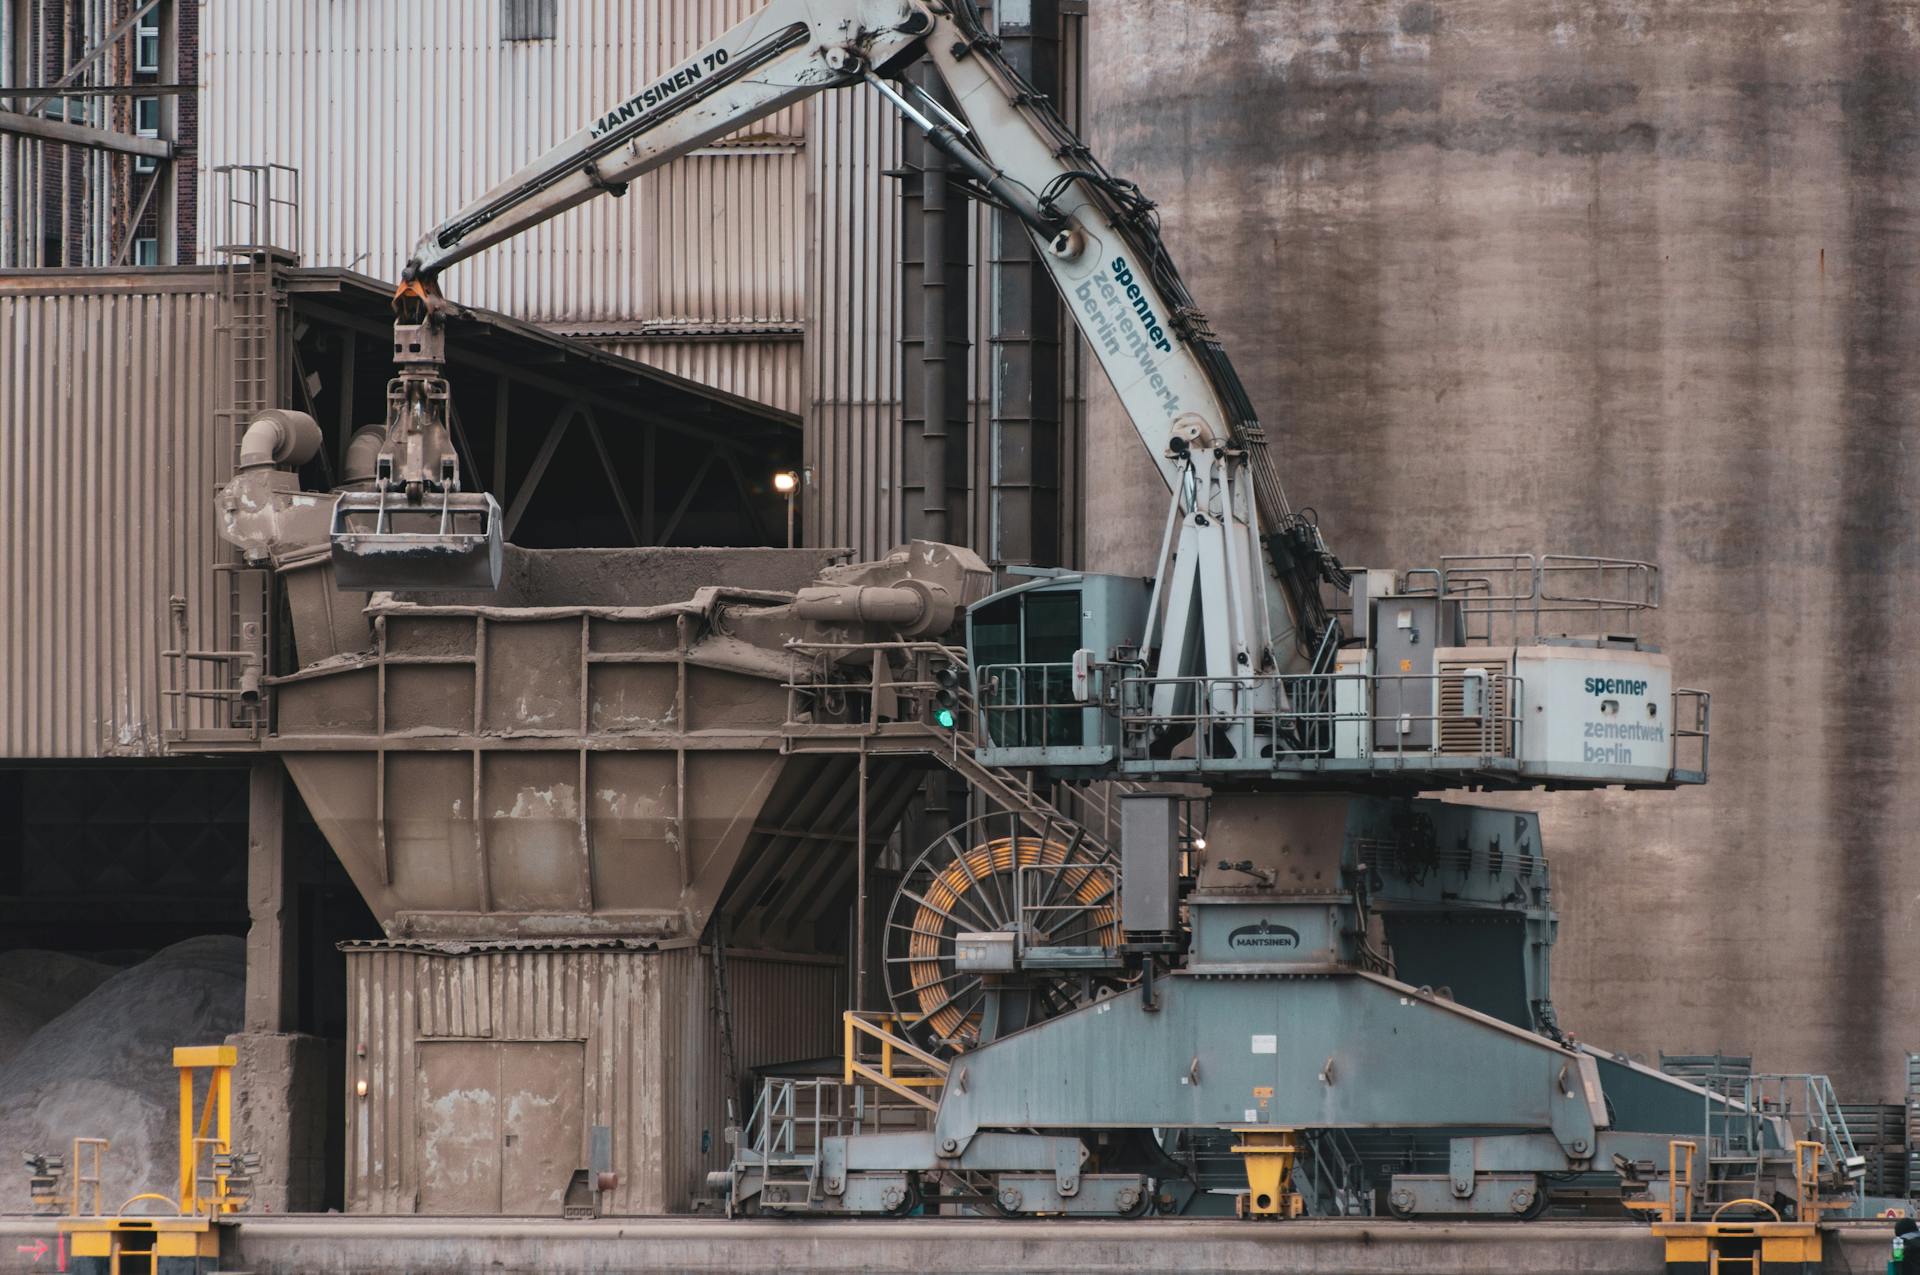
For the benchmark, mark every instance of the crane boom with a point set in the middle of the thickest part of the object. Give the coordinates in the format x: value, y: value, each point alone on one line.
x: 1239, y: 576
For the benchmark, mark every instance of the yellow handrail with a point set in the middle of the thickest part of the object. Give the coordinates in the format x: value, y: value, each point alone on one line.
x: 1679, y: 1185
x: 885, y: 1075
x: 1759, y: 1204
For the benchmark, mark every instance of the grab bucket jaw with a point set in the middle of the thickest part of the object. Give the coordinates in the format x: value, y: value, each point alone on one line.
x: 451, y: 540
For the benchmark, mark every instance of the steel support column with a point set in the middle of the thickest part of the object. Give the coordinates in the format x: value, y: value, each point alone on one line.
x: 271, y: 955
x: 933, y: 343
x: 1023, y: 329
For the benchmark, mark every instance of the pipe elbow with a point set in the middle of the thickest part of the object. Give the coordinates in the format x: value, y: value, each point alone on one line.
x: 279, y: 436
x: 363, y: 453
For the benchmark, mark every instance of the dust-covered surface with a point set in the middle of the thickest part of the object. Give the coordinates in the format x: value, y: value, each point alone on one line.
x: 104, y: 1068
x: 635, y: 577
x: 36, y: 987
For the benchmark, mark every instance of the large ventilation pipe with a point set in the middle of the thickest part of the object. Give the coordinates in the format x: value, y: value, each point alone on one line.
x: 363, y: 453
x: 279, y: 436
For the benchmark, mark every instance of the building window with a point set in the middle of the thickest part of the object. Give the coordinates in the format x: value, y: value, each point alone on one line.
x: 146, y: 252
x: 529, y: 19
x: 146, y: 57
x: 146, y: 123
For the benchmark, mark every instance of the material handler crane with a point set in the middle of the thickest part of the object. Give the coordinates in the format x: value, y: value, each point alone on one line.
x: 1301, y: 973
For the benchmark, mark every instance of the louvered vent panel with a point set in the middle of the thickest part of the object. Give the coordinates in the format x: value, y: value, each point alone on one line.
x: 1460, y: 733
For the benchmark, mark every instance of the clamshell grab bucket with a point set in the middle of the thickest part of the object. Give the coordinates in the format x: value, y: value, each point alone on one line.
x: 449, y: 541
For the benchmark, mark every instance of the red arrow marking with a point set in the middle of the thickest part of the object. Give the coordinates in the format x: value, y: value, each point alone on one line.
x: 38, y: 1248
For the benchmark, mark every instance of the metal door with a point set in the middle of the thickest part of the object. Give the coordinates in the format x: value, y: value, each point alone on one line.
x: 1404, y: 635
x: 542, y: 1125
x: 501, y: 1127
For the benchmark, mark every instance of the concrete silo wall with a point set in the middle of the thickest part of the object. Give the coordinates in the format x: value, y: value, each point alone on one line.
x: 1627, y: 277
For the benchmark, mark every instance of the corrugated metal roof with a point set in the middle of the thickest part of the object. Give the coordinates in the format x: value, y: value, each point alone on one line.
x: 465, y: 947
x: 664, y: 392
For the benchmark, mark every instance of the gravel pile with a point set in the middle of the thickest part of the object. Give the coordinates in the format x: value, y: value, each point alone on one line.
x: 104, y: 1066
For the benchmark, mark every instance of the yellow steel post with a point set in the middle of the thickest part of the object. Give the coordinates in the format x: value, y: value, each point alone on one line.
x: 188, y: 1204
x: 1268, y: 1153
x: 216, y: 1118
x: 1806, y: 1178
x: 223, y: 1123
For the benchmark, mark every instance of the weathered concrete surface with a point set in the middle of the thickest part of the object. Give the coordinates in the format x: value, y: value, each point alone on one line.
x: 336, y: 1245
x: 1632, y: 278
x: 281, y: 1085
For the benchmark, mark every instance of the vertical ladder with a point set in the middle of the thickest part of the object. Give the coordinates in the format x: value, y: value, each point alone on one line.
x: 259, y: 233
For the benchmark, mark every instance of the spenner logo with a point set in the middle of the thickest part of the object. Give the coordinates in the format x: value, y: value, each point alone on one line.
x: 1264, y: 935
x: 1615, y: 686
x: 1155, y: 333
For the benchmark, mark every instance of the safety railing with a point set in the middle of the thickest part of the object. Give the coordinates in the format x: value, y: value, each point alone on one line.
x: 1035, y: 706
x: 876, y: 688
x: 1774, y: 1111
x: 1677, y: 1204
x: 1521, y: 597
x: 1230, y: 723
x: 877, y: 1055
x: 1072, y: 905
x: 1331, y: 1175
x: 1692, y: 733
x: 791, y: 1119
x: 216, y: 695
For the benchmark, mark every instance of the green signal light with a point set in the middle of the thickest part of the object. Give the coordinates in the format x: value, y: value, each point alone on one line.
x: 944, y: 718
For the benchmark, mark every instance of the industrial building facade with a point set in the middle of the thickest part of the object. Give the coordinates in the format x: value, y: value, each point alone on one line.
x: 763, y: 271
x: 767, y: 265
x: 634, y: 373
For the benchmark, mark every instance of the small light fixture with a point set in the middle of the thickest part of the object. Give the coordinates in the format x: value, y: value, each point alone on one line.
x: 360, y: 1088
x: 787, y: 482
x: 1199, y: 843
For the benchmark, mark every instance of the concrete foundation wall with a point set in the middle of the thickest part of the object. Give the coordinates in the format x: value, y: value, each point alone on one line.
x: 1632, y: 278
x: 281, y: 1085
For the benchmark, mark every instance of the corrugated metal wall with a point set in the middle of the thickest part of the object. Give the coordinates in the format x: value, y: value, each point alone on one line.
x: 853, y: 308
x: 980, y: 363
x: 108, y: 463
x: 654, y: 1065
x: 853, y: 302
x: 397, y: 115
x: 767, y: 371
x: 782, y: 1011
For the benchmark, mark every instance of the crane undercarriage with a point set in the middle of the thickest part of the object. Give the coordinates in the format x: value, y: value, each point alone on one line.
x: 1114, y: 1048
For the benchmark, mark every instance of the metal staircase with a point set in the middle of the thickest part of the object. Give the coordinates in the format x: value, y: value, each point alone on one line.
x: 1770, y: 1135
x: 1330, y: 1175
x: 893, y: 713
x: 887, y: 1085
